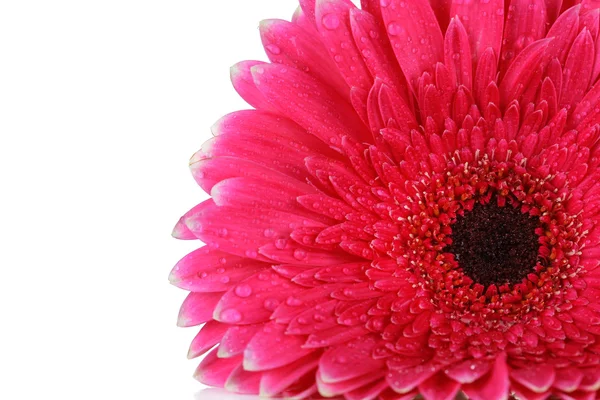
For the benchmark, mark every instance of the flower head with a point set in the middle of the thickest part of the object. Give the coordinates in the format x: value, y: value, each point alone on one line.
x: 411, y: 208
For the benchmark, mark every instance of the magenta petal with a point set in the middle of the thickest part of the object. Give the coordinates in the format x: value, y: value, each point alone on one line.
x: 278, y: 194
x: 578, y: 70
x: 214, y: 371
x: 439, y: 387
x: 525, y: 23
x: 197, y: 308
x: 254, y: 300
x: 182, y: 232
x: 242, y: 381
x: 334, y: 389
x: 368, y: 392
x: 377, y: 54
x: 210, y: 335
x: 207, y: 270
x: 493, y: 386
x: 484, y: 23
x: 242, y: 231
x: 261, y: 355
x: 333, y: 23
x: 457, y: 54
x: 468, y: 371
x: 406, y: 379
x: 236, y: 339
x: 413, y: 19
x: 568, y: 379
x: 244, y: 84
x: 538, y: 378
x: 277, y: 380
x: 287, y: 43
x: 521, y: 70
x: 279, y: 85
x: 349, y: 360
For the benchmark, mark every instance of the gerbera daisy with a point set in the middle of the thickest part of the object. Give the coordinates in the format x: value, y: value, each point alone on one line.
x: 411, y: 208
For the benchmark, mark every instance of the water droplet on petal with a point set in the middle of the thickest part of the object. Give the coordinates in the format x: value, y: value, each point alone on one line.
x: 273, y: 48
x: 331, y: 21
x: 269, y: 233
x: 231, y: 316
x: 299, y: 254
x: 394, y: 29
x: 243, y: 290
x: 385, y: 3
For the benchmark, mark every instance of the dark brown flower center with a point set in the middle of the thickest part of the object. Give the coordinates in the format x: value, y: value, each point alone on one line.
x: 495, y: 245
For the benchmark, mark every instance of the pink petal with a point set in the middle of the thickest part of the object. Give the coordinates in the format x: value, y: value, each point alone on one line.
x: 261, y: 353
x: 329, y: 389
x: 326, y: 205
x: 439, y: 387
x: 242, y: 381
x: 484, y: 75
x: 292, y: 253
x: 236, y: 339
x: 457, y: 54
x: 308, y: 6
x: 197, y: 308
x: 266, y: 125
x: 522, y: 392
x: 277, y: 194
x: 277, y: 380
x: 468, y: 371
x: 368, y: 392
x: 441, y: 8
x: 484, y: 23
x: 214, y: 371
x: 568, y: 379
x: 287, y: 43
x: 209, y: 172
x: 577, y: 70
x: 210, y: 335
x: 349, y: 360
x: 242, y: 231
x: 333, y: 336
x: 182, y: 232
x: 253, y: 300
x: 378, y: 55
x: 415, y: 35
x: 405, y: 380
x: 319, y: 110
x: 564, y: 31
x: 244, y: 84
x: 493, y: 386
x: 209, y: 270
x: 521, y: 70
x: 275, y: 152
x: 537, y: 378
x: 333, y: 23
x: 525, y: 24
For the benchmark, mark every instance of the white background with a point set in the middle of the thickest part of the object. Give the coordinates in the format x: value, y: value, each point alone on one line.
x: 101, y: 105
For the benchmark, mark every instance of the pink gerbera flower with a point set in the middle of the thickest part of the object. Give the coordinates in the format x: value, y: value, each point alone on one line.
x: 412, y: 207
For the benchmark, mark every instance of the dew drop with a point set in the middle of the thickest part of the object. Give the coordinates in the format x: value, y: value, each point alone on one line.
x: 394, y: 29
x: 293, y: 301
x: 271, y: 304
x: 231, y: 316
x: 281, y: 243
x: 273, y: 48
x: 251, y: 253
x: 243, y: 290
x: 385, y: 3
x: 299, y: 254
x: 331, y: 21
x: 269, y: 233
